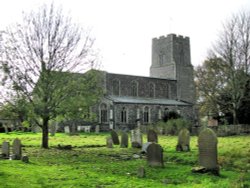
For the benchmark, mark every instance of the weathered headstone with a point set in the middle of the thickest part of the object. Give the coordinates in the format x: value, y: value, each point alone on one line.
x: 66, y: 129
x: 17, y: 149
x: 141, y: 173
x: 155, y: 155
x: 109, y: 142
x: 97, y: 129
x: 115, y: 137
x: 124, y: 140
x: 207, y: 143
x: 136, y: 138
x: 152, y: 136
x: 183, y: 140
x: 6, y: 149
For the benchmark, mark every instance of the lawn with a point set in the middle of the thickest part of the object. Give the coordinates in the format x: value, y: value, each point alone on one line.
x: 91, y: 164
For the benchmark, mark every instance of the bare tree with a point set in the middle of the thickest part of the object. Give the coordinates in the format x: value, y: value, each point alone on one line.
x: 233, y: 46
x: 36, y: 56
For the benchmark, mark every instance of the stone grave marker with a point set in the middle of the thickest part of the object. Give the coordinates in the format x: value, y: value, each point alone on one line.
x: 124, y: 140
x: 183, y: 140
x: 97, y: 129
x: 207, y: 143
x: 155, y: 155
x: 152, y: 136
x: 109, y: 142
x: 17, y: 149
x: 136, y: 138
x: 6, y: 149
x: 66, y: 129
x: 115, y: 137
x: 141, y: 173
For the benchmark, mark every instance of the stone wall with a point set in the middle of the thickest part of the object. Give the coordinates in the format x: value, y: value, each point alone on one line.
x: 229, y: 130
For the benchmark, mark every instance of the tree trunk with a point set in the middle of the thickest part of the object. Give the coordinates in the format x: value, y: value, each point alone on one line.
x: 235, y: 119
x: 45, y: 136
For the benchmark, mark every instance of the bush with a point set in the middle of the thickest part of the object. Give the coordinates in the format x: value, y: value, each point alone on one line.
x: 173, y: 126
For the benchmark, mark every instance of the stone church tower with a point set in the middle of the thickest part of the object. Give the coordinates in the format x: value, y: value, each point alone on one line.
x: 171, y: 60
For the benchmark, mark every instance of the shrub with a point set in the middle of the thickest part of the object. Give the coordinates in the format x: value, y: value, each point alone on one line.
x: 173, y: 126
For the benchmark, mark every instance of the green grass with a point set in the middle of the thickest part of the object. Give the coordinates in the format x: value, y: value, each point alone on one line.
x: 89, y: 166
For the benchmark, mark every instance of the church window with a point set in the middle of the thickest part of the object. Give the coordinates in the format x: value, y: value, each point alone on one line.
x: 124, y: 115
x: 134, y: 88
x: 151, y: 90
x: 103, y: 113
x: 146, y: 115
x: 116, y: 87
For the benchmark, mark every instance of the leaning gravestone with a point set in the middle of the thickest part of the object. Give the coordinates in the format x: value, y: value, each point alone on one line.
x: 207, y: 143
x: 115, y: 137
x: 152, y: 136
x: 6, y: 149
x: 183, y: 140
x: 155, y: 155
x: 136, y: 138
x: 109, y: 142
x: 17, y: 149
x: 124, y: 140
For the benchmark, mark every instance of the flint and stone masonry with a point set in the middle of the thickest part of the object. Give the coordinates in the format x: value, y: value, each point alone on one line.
x: 131, y: 101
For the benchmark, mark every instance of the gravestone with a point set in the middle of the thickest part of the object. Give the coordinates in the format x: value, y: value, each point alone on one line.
x: 155, y: 155
x: 136, y: 138
x: 124, y: 140
x: 115, y: 137
x: 152, y: 136
x: 141, y: 173
x: 183, y: 140
x: 6, y: 149
x: 109, y: 142
x: 17, y: 149
x: 66, y: 129
x: 97, y: 129
x: 207, y: 143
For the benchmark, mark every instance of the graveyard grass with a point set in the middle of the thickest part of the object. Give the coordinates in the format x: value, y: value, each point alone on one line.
x: 91, y: 164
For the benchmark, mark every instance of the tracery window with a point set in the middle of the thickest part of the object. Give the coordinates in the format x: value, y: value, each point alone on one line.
x: 124, y: 115
x: 146, y: 115
x: 103, y: 113
x: 134, y: 88
x: 151, y: 90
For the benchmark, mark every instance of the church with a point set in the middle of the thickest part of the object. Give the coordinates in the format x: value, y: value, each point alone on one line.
x: 130, y: 101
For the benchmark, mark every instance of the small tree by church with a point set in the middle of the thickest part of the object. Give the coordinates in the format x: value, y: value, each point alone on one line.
x: 37, y: 55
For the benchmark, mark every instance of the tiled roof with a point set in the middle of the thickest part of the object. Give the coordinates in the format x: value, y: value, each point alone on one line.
x: 139, y: 100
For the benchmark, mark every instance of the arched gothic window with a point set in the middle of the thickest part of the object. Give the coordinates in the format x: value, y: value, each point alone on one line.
x: 134, y: 88
x: 124, y: 115
x: 116, y: 87
x: 151, y: 90
x: 103, y: 113
x: 146, y: 115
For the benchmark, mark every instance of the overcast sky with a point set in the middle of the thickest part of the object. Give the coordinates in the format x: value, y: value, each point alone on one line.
x: 124, y: 28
